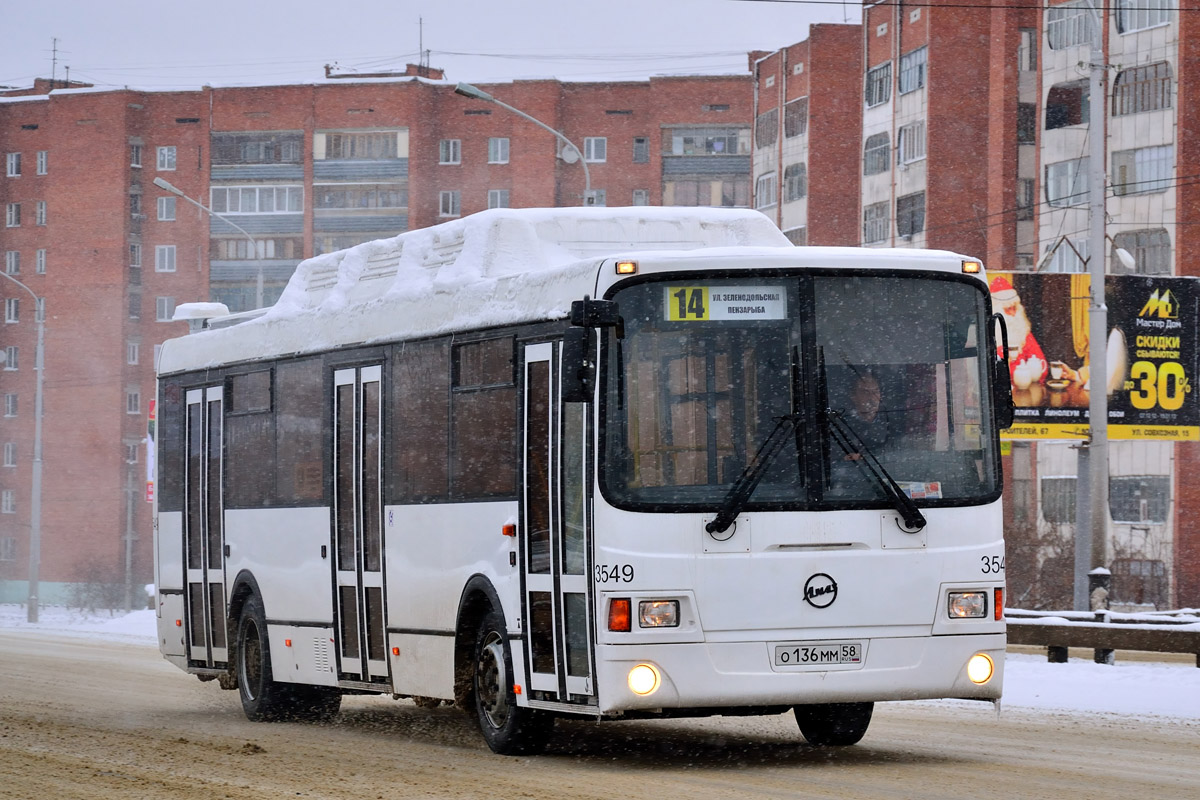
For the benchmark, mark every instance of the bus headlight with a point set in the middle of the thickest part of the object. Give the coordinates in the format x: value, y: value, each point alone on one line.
x: 643, y: 679
x: 967, y: 605
x: 658, y: 613
x: 980, y: 668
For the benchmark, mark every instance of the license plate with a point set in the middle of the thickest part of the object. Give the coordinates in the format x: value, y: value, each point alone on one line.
x: 816, y: 654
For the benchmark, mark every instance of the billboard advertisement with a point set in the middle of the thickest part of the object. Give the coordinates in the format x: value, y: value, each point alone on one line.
x: 1151, y: 355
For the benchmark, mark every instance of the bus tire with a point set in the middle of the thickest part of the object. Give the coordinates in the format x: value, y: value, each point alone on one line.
x: 263, y: 700
x: 834, y: 724
x: 507, y: 728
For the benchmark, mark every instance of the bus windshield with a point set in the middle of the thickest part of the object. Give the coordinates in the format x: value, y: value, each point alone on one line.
x: 860, y: 370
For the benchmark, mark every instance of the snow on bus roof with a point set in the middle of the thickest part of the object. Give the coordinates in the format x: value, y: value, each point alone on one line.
x: 501, y: 266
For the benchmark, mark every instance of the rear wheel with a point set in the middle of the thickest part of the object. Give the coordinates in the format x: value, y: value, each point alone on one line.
x: 263, y: 698
x: 834, y: 724
x: 509, y: 729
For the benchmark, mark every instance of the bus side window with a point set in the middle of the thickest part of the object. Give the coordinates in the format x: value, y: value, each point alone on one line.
x: 299, y: 394
x: 421, y: 414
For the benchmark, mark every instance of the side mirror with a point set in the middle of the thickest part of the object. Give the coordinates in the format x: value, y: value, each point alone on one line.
x: 1002, y: 397
x: 578, y: 371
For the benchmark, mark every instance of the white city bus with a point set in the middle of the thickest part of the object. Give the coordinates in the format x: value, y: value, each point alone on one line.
x: 604, y: 463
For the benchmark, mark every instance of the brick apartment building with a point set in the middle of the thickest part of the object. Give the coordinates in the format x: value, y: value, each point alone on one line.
x: 970, y: 134
x: 298, y: 170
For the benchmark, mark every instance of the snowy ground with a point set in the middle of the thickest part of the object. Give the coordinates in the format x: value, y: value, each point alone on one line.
x: 1146, y: 689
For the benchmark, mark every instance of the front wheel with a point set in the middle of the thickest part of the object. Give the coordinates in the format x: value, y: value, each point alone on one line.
x: 834, y: 724
x: 507, y: 728
x: 264, y: 699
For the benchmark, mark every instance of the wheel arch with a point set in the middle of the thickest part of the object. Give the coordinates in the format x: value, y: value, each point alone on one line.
x: 244, y: 587
x: 479, y: 597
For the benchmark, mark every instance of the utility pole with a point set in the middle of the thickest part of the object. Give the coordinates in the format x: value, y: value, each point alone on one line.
x: 1091, y: 534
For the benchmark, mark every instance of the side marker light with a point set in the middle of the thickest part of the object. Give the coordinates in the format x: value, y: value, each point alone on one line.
x: 626, y: 267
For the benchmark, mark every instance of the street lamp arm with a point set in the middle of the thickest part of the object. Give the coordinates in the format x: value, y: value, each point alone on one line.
x: 475, y: 93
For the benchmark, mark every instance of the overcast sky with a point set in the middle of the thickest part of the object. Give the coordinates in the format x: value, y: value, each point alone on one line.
x: 245, y: 42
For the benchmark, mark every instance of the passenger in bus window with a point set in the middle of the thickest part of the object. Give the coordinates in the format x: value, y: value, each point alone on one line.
x: 864, y: 416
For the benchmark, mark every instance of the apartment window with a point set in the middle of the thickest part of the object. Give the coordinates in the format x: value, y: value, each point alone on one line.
x: 280, y: 147
x: 1066, y: 183
x: 1025, y: 198
x: 157, y: 352
x: 133, y: 401
x: 12, y: 262
x: 166, y: 209
x: 360, y: 196
x: 641, y: 150
x: 1067, y: 104
x: 795, y: 182
x: 12, y: 165
x: 910, y: 214
x: 912, y: 70
x: 1139, y: 89
x: 361, y: 145
x: 1058, y: 499
x: 135, y: 205
x: 449, y: 204
x: 878, y: 88
x: 498, y: 150
x: 877, y: 154
x: 12, y: 309
x: 1027, y: 50
x: 8, y: 548
x: 1140, y: 498
x: 135, y: 255
x: 164, y: 308
x: 131, y: 353
x: 875, y: 223
x: 1150, y: 248
x: 131, y: 453
x: 1142, y: 171
x: 797, y: 236
x: 1137, y: 15
x: 135, y: 155
x: 450, y: 151
x: 498, y: 198
x: 39, y: 264
x: 641, y: 197
x: 39, y: 310
x: 1069, y: 25
x: 912, y: 142
x: 164, y: 258
x: 595, y: 149
x: 10, y: 454
x: 595, y: 197
x: 766, y: 128
x: 765, y: 192
x: 43, y: 162
x: 706, y: 141
x: 1026, y: 123
x: 257, y: 199
x: 39, y: 213
x: 10, y: 405
x: 135, y: 305
x: 166, y: 158
x: 8, y: 503
x: 795, y: 118
x: 12, y: 215
x: 11, y: 354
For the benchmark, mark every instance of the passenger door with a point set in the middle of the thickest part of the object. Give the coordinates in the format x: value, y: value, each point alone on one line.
x: 203, y: 532
x: 556, y: 535
x: 358, y: 523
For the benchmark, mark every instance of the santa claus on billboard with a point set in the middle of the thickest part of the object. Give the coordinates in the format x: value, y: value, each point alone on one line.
x: 1026, y: 361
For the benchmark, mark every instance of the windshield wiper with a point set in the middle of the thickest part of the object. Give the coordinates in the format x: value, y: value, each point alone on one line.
x: 849, y: 440
x: 753, y: 474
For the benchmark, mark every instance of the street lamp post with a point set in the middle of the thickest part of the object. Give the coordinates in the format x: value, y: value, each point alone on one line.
x: 475, y: 93
x: 35, y: 510
x: 258, y: 294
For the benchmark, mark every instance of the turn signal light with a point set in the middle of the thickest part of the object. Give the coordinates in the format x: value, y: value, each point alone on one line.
x: 620, y: 616
x: 998, y: 603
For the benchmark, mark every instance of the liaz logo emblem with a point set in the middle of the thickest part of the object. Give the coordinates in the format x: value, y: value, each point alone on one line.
x: 820, y: 591
x: 1163, y: 307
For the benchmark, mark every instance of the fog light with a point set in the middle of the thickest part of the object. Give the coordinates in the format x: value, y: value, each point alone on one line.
x: 658, y: 613
x: 967, y: 605
x: 643, y: 679
x: 980, y: 668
